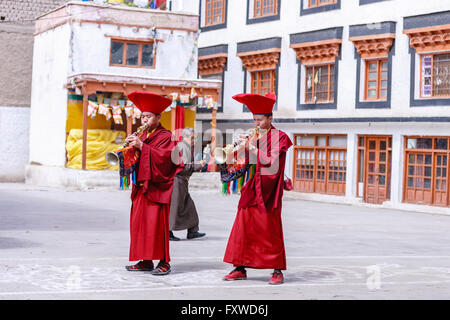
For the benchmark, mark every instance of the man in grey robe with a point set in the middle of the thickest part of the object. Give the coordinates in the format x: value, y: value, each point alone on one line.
x: 183, y: 214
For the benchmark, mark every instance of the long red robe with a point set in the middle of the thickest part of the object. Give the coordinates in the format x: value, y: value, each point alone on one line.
x: 256, y: 239
x: 149, y: 219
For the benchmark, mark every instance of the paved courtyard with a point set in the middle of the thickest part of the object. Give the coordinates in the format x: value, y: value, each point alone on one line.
x: 61, y: 244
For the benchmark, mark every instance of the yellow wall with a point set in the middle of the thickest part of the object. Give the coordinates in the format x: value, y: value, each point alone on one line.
x: 75, y: 117
x: 166, y: 120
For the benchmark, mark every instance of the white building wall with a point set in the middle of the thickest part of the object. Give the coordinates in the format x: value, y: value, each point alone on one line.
x: 14, y: 133
x: 49, y: 97
x: 351, y: 13
x: 91, y: 47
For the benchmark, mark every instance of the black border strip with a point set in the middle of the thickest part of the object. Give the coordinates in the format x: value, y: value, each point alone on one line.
x: 206, y: 51
x: 363, y: 2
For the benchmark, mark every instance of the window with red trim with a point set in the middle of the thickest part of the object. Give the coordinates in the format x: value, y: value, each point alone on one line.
x: 376, y: 83
x: 263, y: 81
x: 435, y: 75
x: 132, y: 54
x: 265, y: 8
x: 214, y: 12
x: 319, y: 84
x: 318, y: 3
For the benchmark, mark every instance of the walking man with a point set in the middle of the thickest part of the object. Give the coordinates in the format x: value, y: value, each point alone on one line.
x: 183, y: 214
x: 256, y: 239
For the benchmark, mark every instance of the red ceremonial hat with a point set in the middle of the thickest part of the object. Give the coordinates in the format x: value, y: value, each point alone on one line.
x: 258, y: 104
x: 149, y: 102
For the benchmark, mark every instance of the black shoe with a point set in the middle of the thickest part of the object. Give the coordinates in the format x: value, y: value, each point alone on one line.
x: 193, y: 235
x: 172, y: 237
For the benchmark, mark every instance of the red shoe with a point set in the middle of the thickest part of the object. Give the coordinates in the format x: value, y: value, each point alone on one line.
x: 236, y: 275
x: 162, y: 269
x: 141, y: 266
x: 277, y: 278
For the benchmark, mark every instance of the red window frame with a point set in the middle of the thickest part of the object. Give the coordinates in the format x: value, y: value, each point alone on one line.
x: 313, y: 72
x: 426, y: 172
x: 319, y: 168
x: 124, y: 54
x: 264, y: 8
x: 375, y: 84
x: 319, y: 3
x: 263, y: 81
x: 214, y: 9
x: 429, y: 76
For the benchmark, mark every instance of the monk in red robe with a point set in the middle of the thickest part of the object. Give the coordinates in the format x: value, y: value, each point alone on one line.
x: 256, y: 239
x: 156, y: 169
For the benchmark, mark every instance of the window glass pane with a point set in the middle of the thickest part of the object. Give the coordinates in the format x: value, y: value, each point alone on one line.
x: 305, y: 141
x: 373, y: 66
x: 147, y: 59
x: 384, y: 84
x: 384, y: 75
x: 384, y: 65
x: 321, y: 141
x: 132, y: 54
x: 410, y: 182
x: 116, y: 52
x: 372, y: 84
x: 338, y: 141
x: 372, y: 93
x: 384, y: 93
x: 412, y: 143
x: 372, y: 76
x: 442, y: 144
x: 424, y: 143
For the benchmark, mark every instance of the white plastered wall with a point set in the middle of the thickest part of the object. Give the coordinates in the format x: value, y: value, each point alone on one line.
x: 49, y: 97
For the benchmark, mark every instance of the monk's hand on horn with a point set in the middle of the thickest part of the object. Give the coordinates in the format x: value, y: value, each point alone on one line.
x: 135, y: 142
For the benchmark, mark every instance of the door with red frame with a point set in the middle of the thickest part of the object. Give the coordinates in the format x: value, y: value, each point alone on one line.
x: 377, y: 170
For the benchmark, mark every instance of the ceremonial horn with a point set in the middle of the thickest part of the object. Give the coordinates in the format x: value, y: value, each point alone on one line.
x: 220, y: 154
x: 112, y: 158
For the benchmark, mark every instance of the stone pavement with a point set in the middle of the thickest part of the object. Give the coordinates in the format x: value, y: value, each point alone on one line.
x: 66, y: 244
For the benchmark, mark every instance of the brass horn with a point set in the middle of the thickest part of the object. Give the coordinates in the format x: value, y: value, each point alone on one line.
x: 220, y: 154
x: 112, y: 158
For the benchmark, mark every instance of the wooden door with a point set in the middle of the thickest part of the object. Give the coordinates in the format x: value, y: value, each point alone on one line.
x: 441, y: 177
x: 377, y: 170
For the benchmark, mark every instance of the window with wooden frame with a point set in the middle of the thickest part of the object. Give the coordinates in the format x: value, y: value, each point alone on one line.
x: 132, y: 54
x: 435, y: 75
x: 320, y: 163
x: 318, y: 3
x: 264, y: 8
x: 263, y: 81
x: 426, y: 170
x: 376, y: 83
x: 319, y: 83
x: 214, y: 12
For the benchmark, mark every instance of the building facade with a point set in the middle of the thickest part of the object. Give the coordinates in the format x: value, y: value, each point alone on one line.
x: 16, y: 30
x: 363, y: 90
